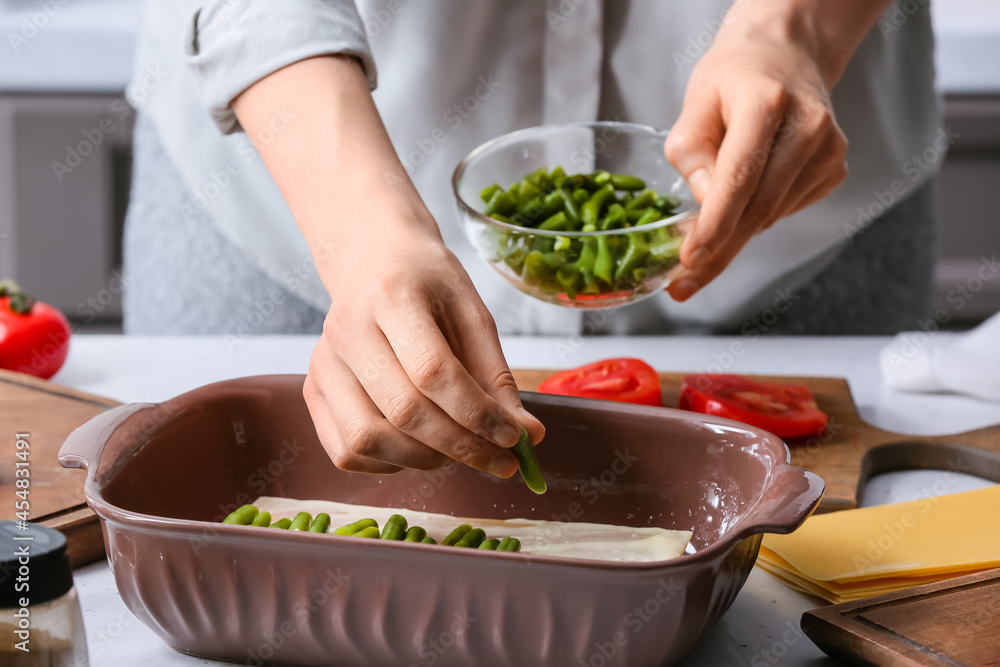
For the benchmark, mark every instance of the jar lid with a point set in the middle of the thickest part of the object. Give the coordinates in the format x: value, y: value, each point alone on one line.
x: 33, y: 564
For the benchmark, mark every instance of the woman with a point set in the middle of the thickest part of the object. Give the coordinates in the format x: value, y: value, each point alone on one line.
x: 408, y: 371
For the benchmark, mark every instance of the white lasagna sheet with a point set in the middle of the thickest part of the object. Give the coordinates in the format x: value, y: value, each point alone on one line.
x: 588, y: 541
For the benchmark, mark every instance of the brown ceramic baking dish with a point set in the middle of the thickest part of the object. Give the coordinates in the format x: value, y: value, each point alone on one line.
x: 161, y: 476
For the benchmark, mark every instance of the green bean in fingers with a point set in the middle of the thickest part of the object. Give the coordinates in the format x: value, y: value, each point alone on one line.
x: 528, y: 464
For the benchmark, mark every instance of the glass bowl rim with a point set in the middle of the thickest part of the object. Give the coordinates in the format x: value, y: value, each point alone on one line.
x: 456, y: 176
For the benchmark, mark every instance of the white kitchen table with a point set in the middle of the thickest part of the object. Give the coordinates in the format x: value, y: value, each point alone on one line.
x: 761, y: 628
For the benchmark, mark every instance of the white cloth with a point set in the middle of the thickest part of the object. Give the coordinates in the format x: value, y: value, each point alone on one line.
x: 936, y: 361
x: 453, y: 74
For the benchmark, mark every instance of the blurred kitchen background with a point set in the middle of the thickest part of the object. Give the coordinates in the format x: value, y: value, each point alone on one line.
x: 65, y: 64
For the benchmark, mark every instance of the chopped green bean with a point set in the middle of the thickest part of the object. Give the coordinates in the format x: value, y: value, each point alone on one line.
x: 395, y: 528
x: 472, y: 539
x: 509, y: 544
x: 604, y: 263
x: 415, y: 534
x: 320, y: 524
x: 558, y: 221
x: 488, y: 192
x: 642, y: 200
x: 651, y: 215
x: 627, y: 182
x: 352, y: 528
x: 283, y: 524
x: 263, y: 520
x: 455, y: 535
x: 490, y: 544
x: 501, y: 202
x: 428, y: 540
x: 573, y: 267
x: 301, y: 521
x: 244, y: 516
x: 590, y: 212
x: 528, y: 190
x: 635, y: 252
x: 370, y: 531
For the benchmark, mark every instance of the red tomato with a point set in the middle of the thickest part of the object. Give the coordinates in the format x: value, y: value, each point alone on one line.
x: 34, y: 336
x: 624, y: 380
x: 786, y: 410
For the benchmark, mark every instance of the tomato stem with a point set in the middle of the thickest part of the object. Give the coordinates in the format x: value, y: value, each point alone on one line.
x: 20, y: 302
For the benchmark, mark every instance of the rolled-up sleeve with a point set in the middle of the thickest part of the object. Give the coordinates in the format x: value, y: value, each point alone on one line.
x: 231, y: 44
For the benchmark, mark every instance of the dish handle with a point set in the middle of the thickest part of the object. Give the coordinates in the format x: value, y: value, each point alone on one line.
x: 82, y: 448
x: 792, y: 497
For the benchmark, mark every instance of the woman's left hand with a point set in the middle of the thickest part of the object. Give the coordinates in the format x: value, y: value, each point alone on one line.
x: 757, y: 139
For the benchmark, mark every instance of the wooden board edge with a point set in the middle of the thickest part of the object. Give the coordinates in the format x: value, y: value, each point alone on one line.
x: 859, y: 643
x: 38, y: 384
x: 84, y: 537
x: 839, y: 632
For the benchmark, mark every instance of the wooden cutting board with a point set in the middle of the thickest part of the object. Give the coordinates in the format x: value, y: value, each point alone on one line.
x: 852, y: 450
x: 948, y: 623
x: 48, y: 413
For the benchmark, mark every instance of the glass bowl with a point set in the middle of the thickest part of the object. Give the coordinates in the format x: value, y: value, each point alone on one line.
x: 577, y: 269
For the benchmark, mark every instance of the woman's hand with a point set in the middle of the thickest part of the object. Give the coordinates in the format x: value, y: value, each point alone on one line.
x: 409, y: 371
x: 757, y: 139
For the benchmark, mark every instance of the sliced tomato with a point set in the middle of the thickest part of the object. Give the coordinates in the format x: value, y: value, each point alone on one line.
x: 786, y: 410
x: 624, y: 380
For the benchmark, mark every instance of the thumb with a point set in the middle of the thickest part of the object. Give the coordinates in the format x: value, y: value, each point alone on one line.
x: 692, y: 145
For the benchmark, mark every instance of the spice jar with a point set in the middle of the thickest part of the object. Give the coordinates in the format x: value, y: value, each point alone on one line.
x: 40, y: 620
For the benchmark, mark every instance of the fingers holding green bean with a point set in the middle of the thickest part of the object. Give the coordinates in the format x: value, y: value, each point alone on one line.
x: 527, y: 463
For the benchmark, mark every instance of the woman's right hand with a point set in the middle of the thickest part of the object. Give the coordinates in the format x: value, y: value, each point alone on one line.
x: 409, y: 372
